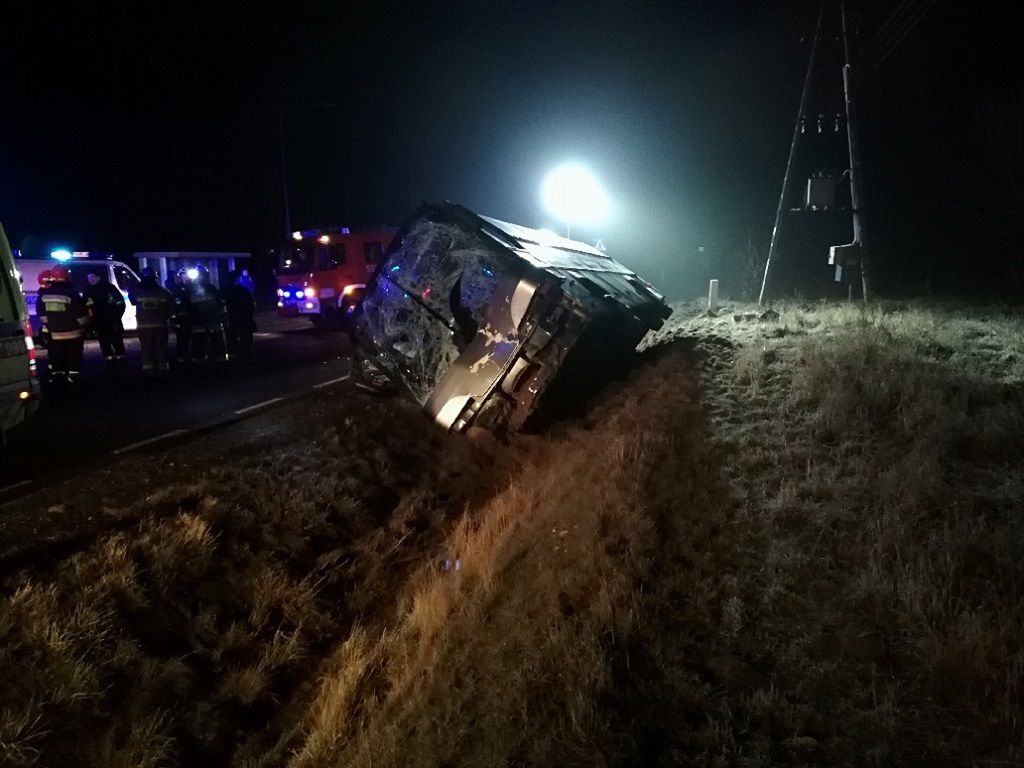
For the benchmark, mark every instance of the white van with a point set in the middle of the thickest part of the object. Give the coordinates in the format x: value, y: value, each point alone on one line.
x: 19, y: 387
x: 120, y: 275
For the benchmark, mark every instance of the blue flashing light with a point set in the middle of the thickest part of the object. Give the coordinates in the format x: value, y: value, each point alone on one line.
x: 287, y: 294
x: 61, y: 254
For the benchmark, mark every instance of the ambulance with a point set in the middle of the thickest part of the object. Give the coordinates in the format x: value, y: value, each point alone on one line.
x: 19, y: 384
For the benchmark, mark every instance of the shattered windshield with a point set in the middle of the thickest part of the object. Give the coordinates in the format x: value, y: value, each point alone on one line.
x: 429, y: 300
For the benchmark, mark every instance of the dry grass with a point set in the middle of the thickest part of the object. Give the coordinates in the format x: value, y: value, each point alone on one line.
x: 785, y: 542
x: 863, y: 604
x: 187, y: 639
x: 506, y: 659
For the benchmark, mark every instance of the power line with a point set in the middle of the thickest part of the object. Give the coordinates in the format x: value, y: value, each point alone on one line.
x: 792, y: 153
x: 899, y: 35
x: 884, y: 33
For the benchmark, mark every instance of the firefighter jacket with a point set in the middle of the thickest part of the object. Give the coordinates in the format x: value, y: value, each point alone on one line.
x: 61, y: 311
x: 207, y: 308
x: 153, y: 305
x: 182, y: 307
x: 105, y: 305
x: 240, y: 307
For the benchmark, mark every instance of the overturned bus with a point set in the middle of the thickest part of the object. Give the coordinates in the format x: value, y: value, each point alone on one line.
x: 494, y: 325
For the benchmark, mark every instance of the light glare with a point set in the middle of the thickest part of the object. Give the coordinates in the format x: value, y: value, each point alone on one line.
x: 574, y: 195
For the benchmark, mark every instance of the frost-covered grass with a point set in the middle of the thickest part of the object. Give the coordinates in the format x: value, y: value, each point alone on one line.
x: 863, y: 603
x: 793, y: 541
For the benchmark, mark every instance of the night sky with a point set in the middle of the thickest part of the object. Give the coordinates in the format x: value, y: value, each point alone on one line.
x: 146, y: 126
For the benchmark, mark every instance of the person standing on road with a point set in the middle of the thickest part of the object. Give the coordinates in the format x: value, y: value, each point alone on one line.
x: 154, y: 307
x: 208, y: 317
x: 63, y: 317
x: 182, y: 317
x: 241, y: 309
x: 106, y: 306
x: 45, y: 281
x: 246, y: 281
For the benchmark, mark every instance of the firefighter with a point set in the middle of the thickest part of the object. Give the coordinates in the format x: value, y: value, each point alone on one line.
x: 154, y: 308
x: 45, y: 280
x: 241, y: 309
x: 182, y: 317
x: 208, y: 336
x: 105, y: 306
x: 63, y: 317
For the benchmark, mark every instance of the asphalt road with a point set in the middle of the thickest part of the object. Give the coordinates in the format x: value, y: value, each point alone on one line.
x: 110, y: 414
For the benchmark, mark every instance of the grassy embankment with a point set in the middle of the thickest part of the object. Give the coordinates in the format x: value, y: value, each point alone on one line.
x: 783, y: 542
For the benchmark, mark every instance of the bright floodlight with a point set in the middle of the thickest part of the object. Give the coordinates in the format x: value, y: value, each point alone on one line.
x: 574, y: 195
x: 192, y: 273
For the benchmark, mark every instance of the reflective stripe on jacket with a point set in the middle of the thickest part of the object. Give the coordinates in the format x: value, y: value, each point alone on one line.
x: 61, y: 310
x: 153, y: 305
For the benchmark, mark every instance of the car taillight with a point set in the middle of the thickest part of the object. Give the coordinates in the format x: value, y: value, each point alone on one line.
x: 30, y: 347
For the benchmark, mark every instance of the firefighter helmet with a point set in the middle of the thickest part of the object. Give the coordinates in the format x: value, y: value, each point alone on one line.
x: 45, y: 278
x: 60, y: 273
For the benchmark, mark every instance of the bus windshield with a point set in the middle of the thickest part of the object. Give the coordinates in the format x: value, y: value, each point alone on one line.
x: 309, y: 257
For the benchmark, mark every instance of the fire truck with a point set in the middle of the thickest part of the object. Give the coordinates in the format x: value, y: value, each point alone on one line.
x: 322, y: 273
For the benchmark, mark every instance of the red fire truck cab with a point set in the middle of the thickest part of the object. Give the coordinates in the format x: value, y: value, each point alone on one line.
x: 322, y: 273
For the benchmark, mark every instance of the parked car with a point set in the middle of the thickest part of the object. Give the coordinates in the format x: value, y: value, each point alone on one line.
x: 491, y: 324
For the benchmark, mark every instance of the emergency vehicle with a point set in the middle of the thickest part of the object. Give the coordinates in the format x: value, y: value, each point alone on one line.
x: 322, y: 273
x: 119, y: 274
x: 19, y: 387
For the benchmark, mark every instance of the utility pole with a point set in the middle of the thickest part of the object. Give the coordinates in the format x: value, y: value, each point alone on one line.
x: 856, y: 177
x: 284, y: 180
x: 792, y: 154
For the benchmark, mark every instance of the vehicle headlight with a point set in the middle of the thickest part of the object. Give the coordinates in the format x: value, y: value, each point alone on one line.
x: 310, y: 293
